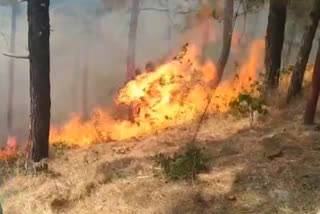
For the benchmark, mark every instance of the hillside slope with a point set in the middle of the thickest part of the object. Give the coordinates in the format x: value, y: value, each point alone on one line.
x: 273, y: 167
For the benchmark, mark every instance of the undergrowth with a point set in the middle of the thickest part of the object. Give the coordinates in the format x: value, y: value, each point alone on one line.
x: 60, y: 148
x: 11, y: 167
x: 184, y: 165
x: 246, y: 105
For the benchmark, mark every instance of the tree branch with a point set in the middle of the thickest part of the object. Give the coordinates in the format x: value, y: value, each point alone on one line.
x: 166, y: 10
x: 242, y: 13
x: 15, y: 56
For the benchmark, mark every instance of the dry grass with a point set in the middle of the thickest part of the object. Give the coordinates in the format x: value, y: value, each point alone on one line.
x: 271, y: 168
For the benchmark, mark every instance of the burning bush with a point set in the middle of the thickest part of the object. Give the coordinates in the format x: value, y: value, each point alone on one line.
x: 177, y: 92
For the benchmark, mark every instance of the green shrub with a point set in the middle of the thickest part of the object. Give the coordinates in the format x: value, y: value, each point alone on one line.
x: 286, y: 70
x: 246, y: 105
x: 184, y: 165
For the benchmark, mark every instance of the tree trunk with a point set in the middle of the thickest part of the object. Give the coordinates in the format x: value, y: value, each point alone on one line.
x: 252, y: 34
x: 314, y: 96
x: 11, y: 69
x: 131, y: 55
x: 169, y: 27
x: 75, y: 88
x: 304, y: 52
x: 39, y: 48
x: 227, y: 37
x: 274, y: 43
x: 169, y: 38
x: 205, y: 39
x: 85, y: 86
x: 293, y: 34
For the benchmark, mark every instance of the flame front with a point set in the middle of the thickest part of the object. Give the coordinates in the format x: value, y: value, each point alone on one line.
x: 175, y: 93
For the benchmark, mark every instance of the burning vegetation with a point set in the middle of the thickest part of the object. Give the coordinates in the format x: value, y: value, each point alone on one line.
x: 10, y: 151
x: 200, y: 143
x: 176, y: 93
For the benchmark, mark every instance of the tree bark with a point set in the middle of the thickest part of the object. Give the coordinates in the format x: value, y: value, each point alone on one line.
x: 274, y: 43
x: 131, y: 55
x: 85, y: 85
x: 169, y: 27
x: 304, y: 52
x: 11, y: 68
x: 314, y: 96
x: 253, y: 31
x: 293, y: 34
x: 75, y: 88
x: 205, y: 39
x: 39, y: 48
x: 227, y: 37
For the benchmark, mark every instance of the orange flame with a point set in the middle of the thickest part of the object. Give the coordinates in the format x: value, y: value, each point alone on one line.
x: 176, y: 93
x: 10, y: 151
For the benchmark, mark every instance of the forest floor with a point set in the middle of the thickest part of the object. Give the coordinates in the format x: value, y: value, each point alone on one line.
x: 272, y: 167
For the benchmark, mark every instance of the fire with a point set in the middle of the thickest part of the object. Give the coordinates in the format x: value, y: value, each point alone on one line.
x: 10, y: 151
x: 176, y: 93
x: 229, y: 90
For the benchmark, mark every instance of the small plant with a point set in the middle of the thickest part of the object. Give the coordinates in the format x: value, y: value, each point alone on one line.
x: 286, y: 70
x: 246, y: 105
x: 184, y: 165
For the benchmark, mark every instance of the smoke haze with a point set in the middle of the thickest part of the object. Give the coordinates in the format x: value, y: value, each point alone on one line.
x: 87, y: 36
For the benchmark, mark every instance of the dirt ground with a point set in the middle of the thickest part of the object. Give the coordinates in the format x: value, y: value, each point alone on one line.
x: 272, y: 167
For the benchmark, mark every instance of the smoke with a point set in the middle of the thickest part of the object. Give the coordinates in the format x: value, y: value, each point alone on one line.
x: 81, y: 38
x: 85, y: 37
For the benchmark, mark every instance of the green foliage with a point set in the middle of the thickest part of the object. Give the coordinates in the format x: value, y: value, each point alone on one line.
x: 286, y: 70
x: 184, y: 165
x: 216, y: 16
x: 252, y: 5
x: 246, y: 105
x: 212, y: 2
